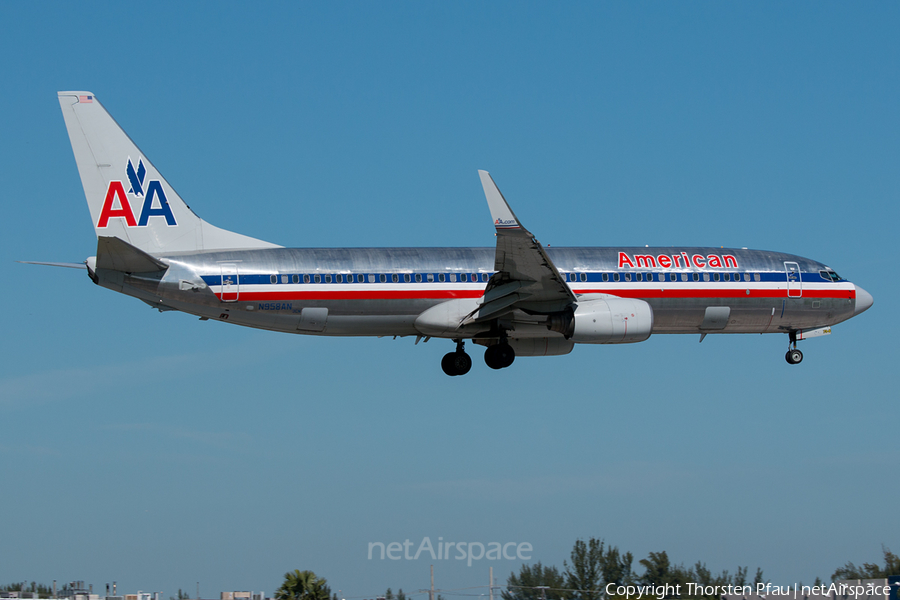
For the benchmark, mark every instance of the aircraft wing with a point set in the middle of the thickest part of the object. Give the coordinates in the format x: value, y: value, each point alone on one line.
x: 525, y: 276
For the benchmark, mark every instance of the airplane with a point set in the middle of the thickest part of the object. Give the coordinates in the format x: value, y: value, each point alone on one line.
x: 518, y: 298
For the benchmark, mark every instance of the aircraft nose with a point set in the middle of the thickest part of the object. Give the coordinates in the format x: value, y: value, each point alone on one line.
x: 863, y: 300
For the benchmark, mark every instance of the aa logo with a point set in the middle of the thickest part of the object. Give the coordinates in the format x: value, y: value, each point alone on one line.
x: 117, y: 205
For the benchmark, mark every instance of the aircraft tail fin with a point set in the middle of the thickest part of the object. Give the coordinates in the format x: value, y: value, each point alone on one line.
x: 128, y: 198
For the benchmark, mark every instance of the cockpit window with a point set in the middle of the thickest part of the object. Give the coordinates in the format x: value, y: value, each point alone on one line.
x: 829, y: 275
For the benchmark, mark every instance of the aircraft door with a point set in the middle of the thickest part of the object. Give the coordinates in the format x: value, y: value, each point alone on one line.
x: 230, y: 282
x: 794, y: 282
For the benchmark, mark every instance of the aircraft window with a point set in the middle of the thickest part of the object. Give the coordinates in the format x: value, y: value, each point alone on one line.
x: 696, y: 277
x: 639, y: 277
x: 627, y: 276
x: 273, y: 278
x: 484, y: 277
x: 406, y: 277
x: 706, y: 277
x: 418, y: 278
x: 360, y: 278
x: 430, y: 277
x: 615, y: 276
x: 756, y: 277
x: 318, y: 278
x: 306, y: 279
x: 716, y: 277
x: 284, y: 279
x: 395, y: 278
x: 452, y: 277
x: 295, y: 279
x: 829, y: 275
x: 474, y: 277
x: 584, y: 276
x: 606, y: 277
x: 383, y: 278
x: 746, y: 276
x: 328, y: 278
x: 441, y: 277
x: 339, y: 278
x: 463, y: 277
x: 673, y: 276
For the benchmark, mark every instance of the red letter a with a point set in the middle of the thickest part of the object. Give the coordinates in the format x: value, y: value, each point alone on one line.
x: 116, y: 190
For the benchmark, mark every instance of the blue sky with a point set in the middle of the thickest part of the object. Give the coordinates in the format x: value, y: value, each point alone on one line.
x: 158, y: 451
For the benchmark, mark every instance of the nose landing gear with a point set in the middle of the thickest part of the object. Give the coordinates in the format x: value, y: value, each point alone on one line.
x: 793, y: 356
x: 457, y: 363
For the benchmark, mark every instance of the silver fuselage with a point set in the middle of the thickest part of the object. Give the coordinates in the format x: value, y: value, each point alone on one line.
x: 381, y: 291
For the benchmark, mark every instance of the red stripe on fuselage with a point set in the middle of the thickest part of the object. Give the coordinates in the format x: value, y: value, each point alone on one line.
x: 450, y: 294
x: 723, y: 293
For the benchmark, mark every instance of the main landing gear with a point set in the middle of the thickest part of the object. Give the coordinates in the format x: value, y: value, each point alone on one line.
x: 457, y: 363
x: 499, y: 356
x: 793, y: 356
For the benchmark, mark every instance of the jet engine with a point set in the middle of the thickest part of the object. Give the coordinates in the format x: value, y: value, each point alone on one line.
x: 606, y: 321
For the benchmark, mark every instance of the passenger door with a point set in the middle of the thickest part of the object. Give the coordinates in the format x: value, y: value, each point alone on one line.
x: 794, y: 281
x: 230, y: 282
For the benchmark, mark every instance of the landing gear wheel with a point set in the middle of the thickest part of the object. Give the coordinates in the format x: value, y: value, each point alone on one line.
x: 456, y: 363
x: 499, y: 356
x: 793, y: 356
x: 462, y: 362
x: 447, y: 364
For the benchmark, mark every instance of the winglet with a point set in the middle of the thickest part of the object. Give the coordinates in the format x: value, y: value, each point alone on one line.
x: 501, y: 213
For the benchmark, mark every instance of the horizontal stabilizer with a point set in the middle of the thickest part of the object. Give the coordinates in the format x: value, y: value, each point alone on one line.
x: 117, y: 255
x: 80, y: 265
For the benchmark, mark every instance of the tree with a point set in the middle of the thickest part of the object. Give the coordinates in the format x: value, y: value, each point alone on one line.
x: 740, y: 578
x: 585, y: 572
x: 870, y: 570
x: 616, y: 568
x: 303, y: 585
x: 659, y: 570
x: 525, y: 585
x: 181, y: 596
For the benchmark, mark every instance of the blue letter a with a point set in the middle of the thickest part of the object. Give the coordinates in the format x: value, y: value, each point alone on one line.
x: 155, y: 189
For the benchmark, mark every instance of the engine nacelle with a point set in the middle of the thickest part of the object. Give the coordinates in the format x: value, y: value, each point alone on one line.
x: 606, y: 321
